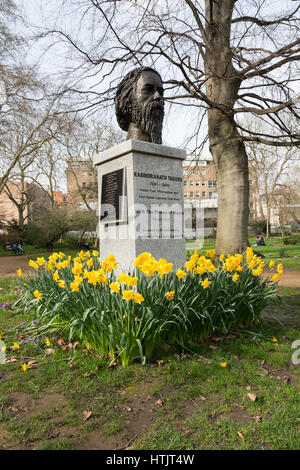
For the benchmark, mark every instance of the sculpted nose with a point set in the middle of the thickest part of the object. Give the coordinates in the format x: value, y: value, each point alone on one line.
x: 157, y: 95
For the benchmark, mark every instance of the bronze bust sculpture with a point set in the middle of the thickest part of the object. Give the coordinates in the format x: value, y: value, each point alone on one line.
x: 139, y: 105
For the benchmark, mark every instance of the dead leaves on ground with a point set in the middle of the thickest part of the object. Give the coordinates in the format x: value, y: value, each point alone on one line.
x: 86, y: 415
x: 252, y: 396
x: 11, y: 359
x: 49, y: 351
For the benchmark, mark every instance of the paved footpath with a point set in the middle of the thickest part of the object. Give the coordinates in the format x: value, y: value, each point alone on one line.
x: 9, y: 265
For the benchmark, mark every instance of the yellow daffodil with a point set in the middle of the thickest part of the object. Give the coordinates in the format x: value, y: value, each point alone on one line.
x: 235, y: 277
x: 257, y: 272
x: 40, y: 261
x: 19, y: 272
x: 221, y: 258
x: 32, y: 264
x: 141, y: 259
x: 115, y: 287
x: 249, y: 254
x: 205, y: 283
x: 95, y: 253
x: 200, y: 270
x: 55, y: 276
x: 47, y: 342
x: 223, y: 364
x: 275, y: 277
x: 170, y: 295
x: 194, y: 256
x: 61, y: 283
x: 163, y: 267
x: 274, y: 340
x: 180, y: 274
x: 127, y: 294
x: 3, y: 349
x: 61, y: 255
x: 138, y: 298
x: 123, y: 277
x: 52, y: 258
x: 74, y: 286
x: 77, y: 269
x: 271, y: 264
x: 131, y: 281
x: 37, y: 294
x: 211, y: 253
x: 25, y: 367
x: 90, y: 263
x: 15, y: 346
x: 201, y: 261
x: 189, y: 265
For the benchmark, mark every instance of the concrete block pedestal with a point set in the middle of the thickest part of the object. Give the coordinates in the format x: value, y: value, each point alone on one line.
x: 140, y: 187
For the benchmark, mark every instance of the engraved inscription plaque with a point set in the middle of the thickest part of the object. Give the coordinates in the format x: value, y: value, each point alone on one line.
x: 112, y: 196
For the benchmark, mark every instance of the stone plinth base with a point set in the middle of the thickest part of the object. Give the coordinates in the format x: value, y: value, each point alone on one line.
x: 140, y: 188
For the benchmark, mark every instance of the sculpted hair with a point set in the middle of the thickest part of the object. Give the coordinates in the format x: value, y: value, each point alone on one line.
x: 124, y: 99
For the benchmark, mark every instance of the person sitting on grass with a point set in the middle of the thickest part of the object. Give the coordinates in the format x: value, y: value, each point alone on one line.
x: 262, y: 241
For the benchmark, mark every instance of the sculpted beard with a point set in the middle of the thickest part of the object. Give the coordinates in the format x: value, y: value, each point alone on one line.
x: 149, y: 119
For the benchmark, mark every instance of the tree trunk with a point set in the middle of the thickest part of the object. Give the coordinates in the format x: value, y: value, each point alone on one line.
x: 233, y: 186
x: 21, y: 216
x: 225, y: 143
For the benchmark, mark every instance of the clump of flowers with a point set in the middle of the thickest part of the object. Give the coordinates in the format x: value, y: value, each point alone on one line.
x: 127, y: 315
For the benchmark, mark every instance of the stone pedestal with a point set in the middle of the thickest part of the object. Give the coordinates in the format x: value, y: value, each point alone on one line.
x: 140, y: 187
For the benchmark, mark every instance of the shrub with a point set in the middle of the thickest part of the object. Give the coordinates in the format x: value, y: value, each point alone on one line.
x: 293, y: 240
x: 127, y: 316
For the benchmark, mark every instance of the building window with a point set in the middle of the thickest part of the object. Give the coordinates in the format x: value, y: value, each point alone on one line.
x: 84, y: 174
x: 185, y: 182
x: 212, y: 184
x: 90, y: 174
x: 197, y: 194
x: 203, y: 172
x: 191, y: 194
x: 203, y: 193
x: 84, y: 184
x: 191, y: 183
x: 197, y: 172
x: 197, y: 183
x: 203, y: 183
x: 185, y: 194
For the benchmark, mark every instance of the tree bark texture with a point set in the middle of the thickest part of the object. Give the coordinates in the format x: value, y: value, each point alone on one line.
x: 225, y: 142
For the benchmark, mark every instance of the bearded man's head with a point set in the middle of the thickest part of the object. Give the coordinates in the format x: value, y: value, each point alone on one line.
x: 139, y: 103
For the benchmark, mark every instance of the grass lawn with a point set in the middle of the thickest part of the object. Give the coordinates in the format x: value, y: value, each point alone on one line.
x: 183, y: 400
x: 31, y: 249
x: 274, y: 249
